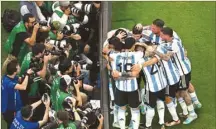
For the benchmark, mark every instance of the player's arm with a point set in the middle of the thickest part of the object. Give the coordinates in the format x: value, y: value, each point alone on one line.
x: 165, y: 57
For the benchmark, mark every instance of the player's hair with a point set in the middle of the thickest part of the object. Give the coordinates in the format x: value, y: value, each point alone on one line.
x: 158, y: 22
x: 149, y: 43
x: 136, y: 31
x: 121, y: 30
x: 26, y: 17
x: 167, y: 31
x: 129, y: 42
x: 38, y: 48
x: 26, y: 111
x: 11, y: 67
x: 116, y: 43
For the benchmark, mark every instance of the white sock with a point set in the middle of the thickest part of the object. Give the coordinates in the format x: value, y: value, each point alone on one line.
x: 115, y: 113
x: 135, y: 118
x: 191, y: 110
x: 172, y: 110
x: 161, y: 111
x: 194, y: 97
x: 149, y: 116
x: 121, y: 118
x: 183, y: 106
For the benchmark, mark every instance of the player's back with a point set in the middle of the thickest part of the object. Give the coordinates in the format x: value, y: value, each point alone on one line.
x: 123, y: 62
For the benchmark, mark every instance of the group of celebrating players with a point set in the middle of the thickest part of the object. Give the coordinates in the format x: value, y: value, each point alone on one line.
x: 156, y: 54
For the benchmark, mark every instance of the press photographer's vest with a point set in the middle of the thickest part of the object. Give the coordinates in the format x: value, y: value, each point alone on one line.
x: 71, y: 125
x: 52, y: 36
x: 71, y: 19
x: 60, y: 97
x: 24, y: 67
x: 54, y: 88
x: 20, y: 27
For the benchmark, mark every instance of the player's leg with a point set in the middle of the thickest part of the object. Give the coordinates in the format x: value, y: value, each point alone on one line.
x: 134, y: 102
x: 150, y: 112
x: 171, y: 106
x: 121, y: 102
x: 194, y: 97
x: 160, y: 106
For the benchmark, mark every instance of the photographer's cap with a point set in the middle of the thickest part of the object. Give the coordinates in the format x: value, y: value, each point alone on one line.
x: 65, y: 80
x: 64, y: 3
x: 56, y: 25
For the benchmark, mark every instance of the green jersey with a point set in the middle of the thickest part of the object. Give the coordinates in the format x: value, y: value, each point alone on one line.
x: 20, y: 27
x: 71, y: 125
x: 60, y: 97
x: 54, y: 88
x: 24, y: 67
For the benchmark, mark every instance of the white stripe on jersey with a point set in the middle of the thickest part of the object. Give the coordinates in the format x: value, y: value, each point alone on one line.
x: 170, y: 69
x: 123, y: 62
x: 183, y: 63
x: 148, y: 35
x: 155, y: 80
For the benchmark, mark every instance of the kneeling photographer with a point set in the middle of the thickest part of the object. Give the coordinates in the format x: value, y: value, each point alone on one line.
x: 37, y: 61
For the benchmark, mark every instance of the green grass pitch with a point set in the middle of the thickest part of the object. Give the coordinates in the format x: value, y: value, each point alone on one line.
x: 195, y: 24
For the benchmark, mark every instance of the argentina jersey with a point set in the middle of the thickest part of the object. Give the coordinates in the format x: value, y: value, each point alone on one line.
x: 183, y: 63
x: 155, y: 80
x: 148, y: 35
x: 122, y: 62
x: 170, y: 69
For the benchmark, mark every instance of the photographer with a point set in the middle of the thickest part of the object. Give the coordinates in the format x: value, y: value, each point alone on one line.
x: 10, y: 96
x: 23, y: 117
x: 61, y: 13
x: 63, y: 93
x: 33, y: 8
x: 38, y: 62
x: 21, y: 37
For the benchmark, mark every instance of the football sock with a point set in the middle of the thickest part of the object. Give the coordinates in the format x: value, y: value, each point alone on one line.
x: 194, y: 98
x: 161, y: 111
x: 115, y: 113
x: 191, y: 110
x: 183, y: 106
x: 172, y: 110
x: 149, y: 116
x: 135, y: 119
x: 121, y: 118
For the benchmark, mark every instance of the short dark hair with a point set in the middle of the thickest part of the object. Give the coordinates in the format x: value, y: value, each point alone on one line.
x: 167, y: 31
x: 129, y: 42
x: 41, y: 37
x: 136, y: 31
x: 64, y: 117
x: 26, y: 17
x: 38, y: 48
x: 11, y: 67
x: 116, y: 43
x: 158, y: 22
x: 26, y: 111
x: 64, y: 65
x: 121, y: 30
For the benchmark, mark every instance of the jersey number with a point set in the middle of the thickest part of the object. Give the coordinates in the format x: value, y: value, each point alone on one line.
x: 126, y: 67
x: 152, y: 70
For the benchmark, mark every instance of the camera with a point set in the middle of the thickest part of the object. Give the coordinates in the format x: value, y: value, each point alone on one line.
x: 68, y: 30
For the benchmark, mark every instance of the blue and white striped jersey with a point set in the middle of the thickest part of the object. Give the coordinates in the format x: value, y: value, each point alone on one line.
x: 170, y: 68
x: 155, y: 79
x: 148, y: 35
x: 183, y: 63
x: 122, y: 62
